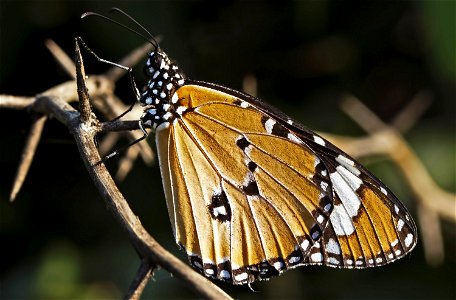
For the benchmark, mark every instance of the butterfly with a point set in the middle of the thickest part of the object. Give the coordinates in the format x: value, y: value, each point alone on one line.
x: 252, y: 193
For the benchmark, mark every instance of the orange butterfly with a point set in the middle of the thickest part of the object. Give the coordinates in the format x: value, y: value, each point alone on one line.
x: 252, y: 193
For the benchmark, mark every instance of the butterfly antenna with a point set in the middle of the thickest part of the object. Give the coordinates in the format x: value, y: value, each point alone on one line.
x: 153, y: 42
x: 116, y: 9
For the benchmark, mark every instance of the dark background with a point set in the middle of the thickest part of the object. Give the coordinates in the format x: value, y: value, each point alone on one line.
x: 59, y: 241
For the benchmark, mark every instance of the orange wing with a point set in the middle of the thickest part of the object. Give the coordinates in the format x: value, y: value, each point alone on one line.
x: 251, y: 194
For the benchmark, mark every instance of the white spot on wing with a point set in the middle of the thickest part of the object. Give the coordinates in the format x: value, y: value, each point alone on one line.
x: 174, y: 99
x: 294, y: 138
x: 383, y: 190
x: 244, y: 104
x: 316, y: 161
x: 305, y: 244
x: 269, y: 125
x: 210, y: 271
x: 241, y: 277
x: 351, y: 179
x: 333, y: 260
x: 394, y: 243
x: 332, y: 247
x: 225, y: 274
x: 348, y: 163
x: 316, y: 257
x: 181, y: 109
x: 345, y: 192
x: 220, y: 210
x: 167, y: 116
x: 323, y: 185
x: 278, y: 265
x: 408, y: 240
x: 319, y: 140
x: 396, y: 209
x: 294, y: 259
x: 341, y: 221
x: 400, y: 224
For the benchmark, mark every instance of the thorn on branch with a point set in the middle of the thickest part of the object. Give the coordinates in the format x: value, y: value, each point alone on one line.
x: 84, y: 101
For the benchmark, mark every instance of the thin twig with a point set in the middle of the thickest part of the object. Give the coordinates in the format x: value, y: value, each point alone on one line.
x: 28, y: 153
x: 412, y: 112
x: 15, y: 102
x: 143, y: 275
x: 433, y: 242
x: 65, y: 62
x: 126, y: 163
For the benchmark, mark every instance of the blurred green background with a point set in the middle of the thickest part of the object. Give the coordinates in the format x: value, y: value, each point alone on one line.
x: 58, y: 241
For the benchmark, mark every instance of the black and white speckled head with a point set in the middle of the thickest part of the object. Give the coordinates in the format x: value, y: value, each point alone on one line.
x: 158, y: 95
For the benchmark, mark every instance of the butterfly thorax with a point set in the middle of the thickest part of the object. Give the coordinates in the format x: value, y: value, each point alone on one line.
x: 159, y: 99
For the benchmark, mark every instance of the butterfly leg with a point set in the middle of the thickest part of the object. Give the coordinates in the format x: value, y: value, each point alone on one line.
x: 118, y: 151
x: 130, y: 74
x: 136, y: 91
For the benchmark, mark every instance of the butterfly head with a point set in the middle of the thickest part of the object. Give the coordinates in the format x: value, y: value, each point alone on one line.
x: 158, y: 97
